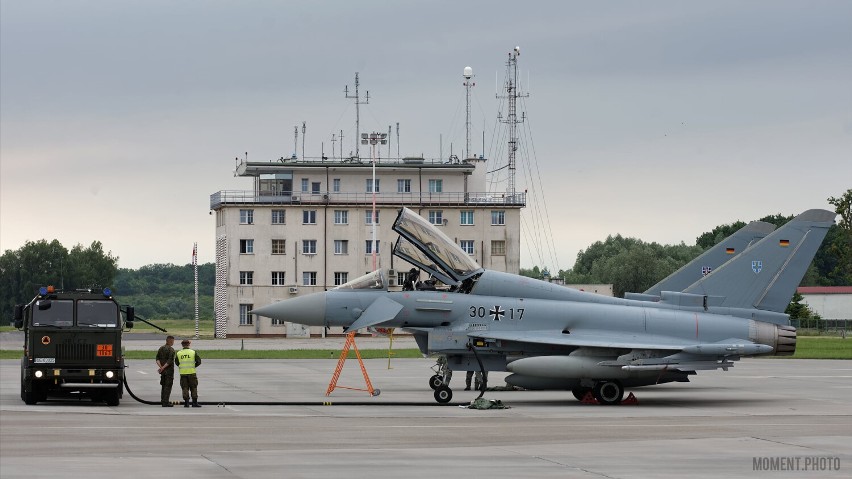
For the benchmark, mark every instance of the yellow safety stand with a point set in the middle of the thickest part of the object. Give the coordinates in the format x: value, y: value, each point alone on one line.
x: 390, y: 347
x: 350, y: 343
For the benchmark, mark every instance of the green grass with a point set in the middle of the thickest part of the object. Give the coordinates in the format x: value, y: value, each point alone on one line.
x: 263, y: 354
x: 823, y: 347
x: 807, y: 347
x: 176, y: 327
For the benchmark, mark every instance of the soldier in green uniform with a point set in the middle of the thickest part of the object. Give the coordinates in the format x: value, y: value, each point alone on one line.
x: 165, y: 366
x: 187, y: 360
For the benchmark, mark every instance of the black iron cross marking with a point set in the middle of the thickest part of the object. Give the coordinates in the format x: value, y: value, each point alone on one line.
x: 496, y: 313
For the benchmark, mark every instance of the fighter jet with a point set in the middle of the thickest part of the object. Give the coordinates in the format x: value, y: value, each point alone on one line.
x: 550, y: 336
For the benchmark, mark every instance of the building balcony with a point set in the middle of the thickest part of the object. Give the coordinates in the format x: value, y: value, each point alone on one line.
x: 224, y: 198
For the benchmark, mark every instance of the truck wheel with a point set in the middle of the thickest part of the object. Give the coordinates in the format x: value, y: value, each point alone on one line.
x: 29, y: 397
x: 111, y: 398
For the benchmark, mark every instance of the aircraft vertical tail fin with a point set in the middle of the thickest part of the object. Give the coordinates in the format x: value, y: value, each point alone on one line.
x: 766, y: 274
x: 713, y: 258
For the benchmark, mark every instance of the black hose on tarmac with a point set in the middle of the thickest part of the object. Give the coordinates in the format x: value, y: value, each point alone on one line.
x: 289, y: 403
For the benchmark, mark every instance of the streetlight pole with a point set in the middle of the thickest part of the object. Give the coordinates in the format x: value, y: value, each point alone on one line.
x: 374, y: 139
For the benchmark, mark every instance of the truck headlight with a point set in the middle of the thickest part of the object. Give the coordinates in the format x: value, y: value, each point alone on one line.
x: 109, y: 374
x: 39, y: 374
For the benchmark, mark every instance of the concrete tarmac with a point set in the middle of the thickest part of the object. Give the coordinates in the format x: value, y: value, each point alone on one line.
x: 762, y: 418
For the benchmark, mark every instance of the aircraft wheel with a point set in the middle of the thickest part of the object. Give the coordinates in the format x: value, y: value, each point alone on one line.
x: 436, y: 381
x: 608, y: 392
x: 443, y: 394
x: 580, y: 393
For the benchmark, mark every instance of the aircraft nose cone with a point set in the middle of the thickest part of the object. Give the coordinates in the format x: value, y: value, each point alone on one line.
x: 308, y: 310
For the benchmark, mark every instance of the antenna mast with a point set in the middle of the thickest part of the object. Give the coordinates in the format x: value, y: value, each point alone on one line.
x: 512, y: 94
x: 304, y: 128
x: 295, y: 140
x: 468, y: 74
x: 357, y: 111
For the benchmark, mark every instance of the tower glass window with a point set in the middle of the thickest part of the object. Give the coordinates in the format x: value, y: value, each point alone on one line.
x: 467, y: 246
x: 278, y: 217
x: 466, y: 218
x: 309, y: 217
x: 498, y: 218
x: 309, y: 247
x: 278, y: 246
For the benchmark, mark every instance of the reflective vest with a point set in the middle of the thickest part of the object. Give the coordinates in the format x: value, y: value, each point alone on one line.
x: 186, y: 361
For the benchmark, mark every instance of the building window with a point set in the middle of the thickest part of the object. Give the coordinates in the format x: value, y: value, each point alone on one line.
x: 436, y: 186
x: 309, y: 278
x: 370, y: 187
x: 466, y: 218
x: 436, y: 217
x: 498, y: 248
x: 278, y: 217
x: 246, y: 246
x: 498, y: 218
x: 246, y: 217
x: 341, y: 217
x: 309, y: 247
x: 315, y: 187
x: 309, y: 217
x: 246, y: 278
x: 341, y: 246
x: 368, y: 217
x: 304, y: 185
x: 246, y: 319
x: 403, y: 186
x: 278, y: 246
x: 340, y: 278
x: 466, y: 246
x: 336, y: 185
x: 277, y: 278
x: 369, y: 248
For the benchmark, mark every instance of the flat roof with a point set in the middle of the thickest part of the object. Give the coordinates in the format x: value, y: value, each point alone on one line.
x: 256, y: 168
x: 824, y: 289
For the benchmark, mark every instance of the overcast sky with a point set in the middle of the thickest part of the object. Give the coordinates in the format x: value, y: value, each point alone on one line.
x: 659, y: 120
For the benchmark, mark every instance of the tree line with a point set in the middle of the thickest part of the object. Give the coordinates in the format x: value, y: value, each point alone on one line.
x: 165, y: 291
x: 632, y: 265
x: 157, y: 291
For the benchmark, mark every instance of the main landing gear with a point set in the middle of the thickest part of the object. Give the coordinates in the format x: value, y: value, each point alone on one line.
x: 440, y: 381
x: 608, y: 392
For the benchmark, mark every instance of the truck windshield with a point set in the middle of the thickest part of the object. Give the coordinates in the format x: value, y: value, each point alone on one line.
x: 59, y: 312
x: 102, y: 314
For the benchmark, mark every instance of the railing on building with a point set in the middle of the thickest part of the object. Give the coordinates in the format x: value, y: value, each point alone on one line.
x: 232, y: 197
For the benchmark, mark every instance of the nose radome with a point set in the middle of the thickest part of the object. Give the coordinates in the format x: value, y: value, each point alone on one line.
x: 308, y: 310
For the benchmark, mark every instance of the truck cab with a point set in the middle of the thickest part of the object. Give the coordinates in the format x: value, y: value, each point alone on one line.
x: 72, y: 345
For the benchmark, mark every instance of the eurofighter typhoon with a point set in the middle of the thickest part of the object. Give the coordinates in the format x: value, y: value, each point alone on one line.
x: 730, y: 305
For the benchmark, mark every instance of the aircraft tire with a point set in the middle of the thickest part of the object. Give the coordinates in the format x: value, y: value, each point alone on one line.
x: 608, y: 392
x: 580, y: 393
x: 436, y: 381
x: 443, y: 394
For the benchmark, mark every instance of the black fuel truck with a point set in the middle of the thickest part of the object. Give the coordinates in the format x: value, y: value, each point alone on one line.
x: 72, y: 345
